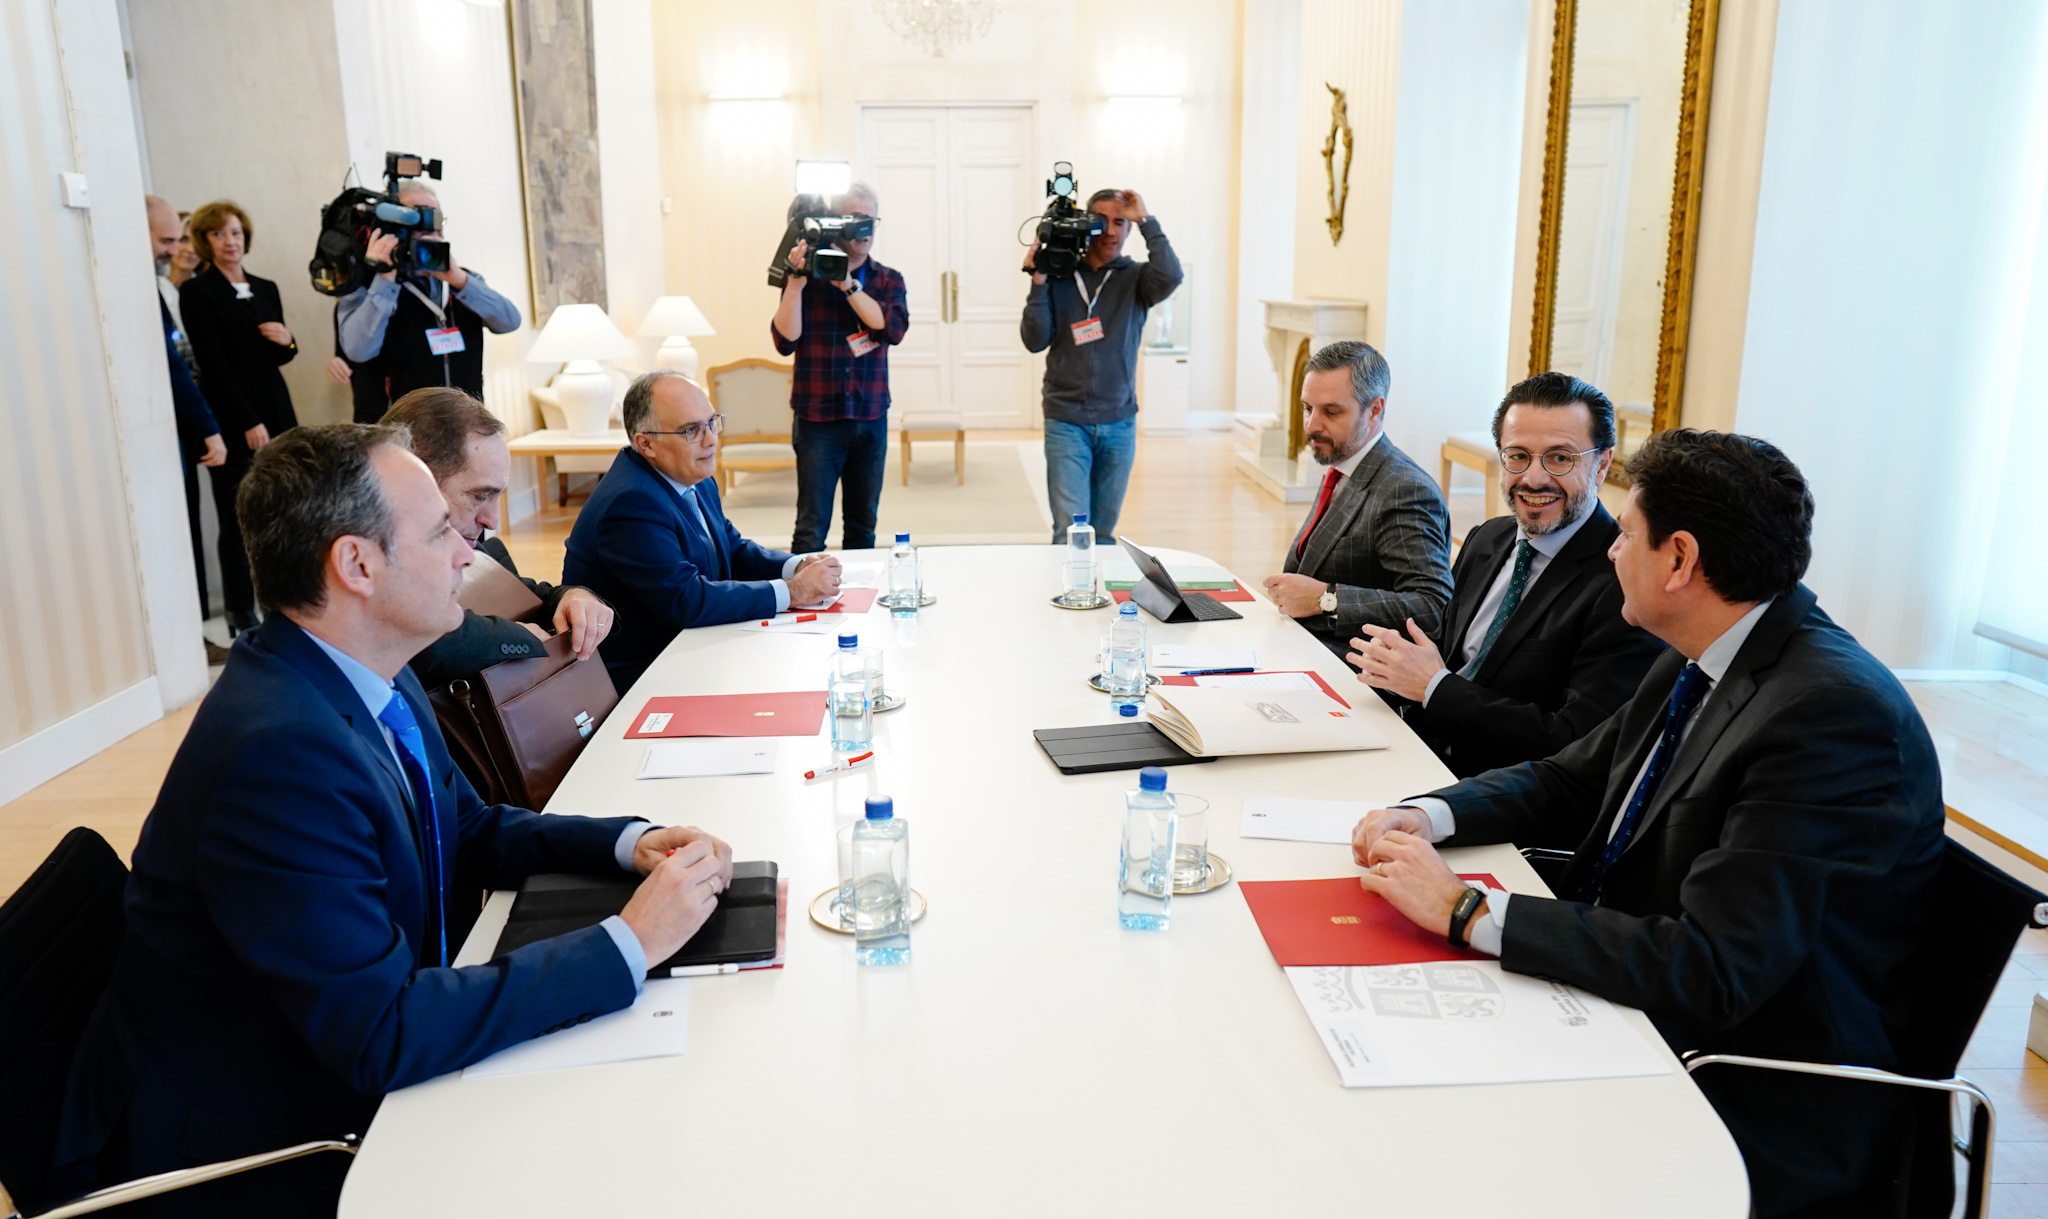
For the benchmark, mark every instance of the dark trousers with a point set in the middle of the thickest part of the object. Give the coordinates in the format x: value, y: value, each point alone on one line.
x: 849, y: 454
x: 198, y: 535
x: 235, y: 588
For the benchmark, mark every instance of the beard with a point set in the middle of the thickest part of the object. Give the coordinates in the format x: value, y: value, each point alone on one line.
x: 1339, y: 452
x: 1574, y: 507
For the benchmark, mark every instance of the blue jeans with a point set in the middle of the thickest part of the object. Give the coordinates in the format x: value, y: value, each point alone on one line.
x: 853, y: 452
x: 1087, y: 467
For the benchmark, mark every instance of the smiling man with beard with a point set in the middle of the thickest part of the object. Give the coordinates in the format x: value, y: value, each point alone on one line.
x: 1538, y: 653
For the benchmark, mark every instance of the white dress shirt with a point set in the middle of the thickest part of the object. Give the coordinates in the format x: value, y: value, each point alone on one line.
x: 1546, y: 547
x: 688, y: 492
x: 1485, y: 935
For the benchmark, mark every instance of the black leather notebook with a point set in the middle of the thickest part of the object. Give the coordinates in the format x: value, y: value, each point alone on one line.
x: 741, y: 929
x: 1096, y: 747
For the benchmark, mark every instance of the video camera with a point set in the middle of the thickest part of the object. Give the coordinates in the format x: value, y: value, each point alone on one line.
x: 811, y: 221
x: 341, y: 261
x: 1065, y: 231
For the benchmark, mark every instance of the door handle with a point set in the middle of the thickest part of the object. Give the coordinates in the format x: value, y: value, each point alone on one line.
x: 953, y: 295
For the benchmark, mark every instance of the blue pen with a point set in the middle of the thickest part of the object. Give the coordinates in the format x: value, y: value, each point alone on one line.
x: 1213, y: 672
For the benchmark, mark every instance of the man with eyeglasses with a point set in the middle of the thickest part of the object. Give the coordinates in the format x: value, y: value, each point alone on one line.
x: 655, y: 542
x: 1533, y: 653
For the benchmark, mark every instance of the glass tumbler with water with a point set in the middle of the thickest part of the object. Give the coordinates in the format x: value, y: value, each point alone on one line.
x: 1144, y: 891
x: 906, y: 589
x: 1123, y: 658
x: 853, y: 712
x: 1080, y: 565
x: 1190, y: 842
x: 881, y: 885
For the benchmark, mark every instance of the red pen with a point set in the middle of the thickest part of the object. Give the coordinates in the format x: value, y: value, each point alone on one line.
x: 789, y: 621
x: 836, y: 767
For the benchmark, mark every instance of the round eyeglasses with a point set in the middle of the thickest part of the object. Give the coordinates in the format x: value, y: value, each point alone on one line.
x: 1515, y: 461
x: 692, y: 432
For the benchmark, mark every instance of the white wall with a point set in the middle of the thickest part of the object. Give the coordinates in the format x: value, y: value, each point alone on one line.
x: 1269, y: 132
x: 1901, y: 191
x: 629, y: 150
x: 1450, y: 261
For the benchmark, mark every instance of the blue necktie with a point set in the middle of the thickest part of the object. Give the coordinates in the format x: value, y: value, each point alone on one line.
x: 1686, y: 694
x: 1518, y: 583
x: 704, y: 523
x: 412, y: 754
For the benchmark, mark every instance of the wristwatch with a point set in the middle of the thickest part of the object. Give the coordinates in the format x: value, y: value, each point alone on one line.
x: 1328, y: 603
x: 1461, y: 914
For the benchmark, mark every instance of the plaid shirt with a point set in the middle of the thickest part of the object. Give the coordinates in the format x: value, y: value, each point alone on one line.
x: 831, y: 383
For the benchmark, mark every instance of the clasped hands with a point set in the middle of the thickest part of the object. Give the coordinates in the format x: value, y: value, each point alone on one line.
x: 815, y: 579
x: 686, y: 870
x: 1392, y: 845
x: 1389, y: 662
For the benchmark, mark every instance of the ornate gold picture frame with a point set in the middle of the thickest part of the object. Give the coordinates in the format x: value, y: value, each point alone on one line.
x: 1339, y: 179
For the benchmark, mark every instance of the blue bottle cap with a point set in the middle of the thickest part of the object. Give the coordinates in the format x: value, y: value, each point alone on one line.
x: 1151, y: 779
x: 903, y: 537
x: 849, y: 641
x: 1128, y: 609
x: 882, y: 808
x: 1080, y: 518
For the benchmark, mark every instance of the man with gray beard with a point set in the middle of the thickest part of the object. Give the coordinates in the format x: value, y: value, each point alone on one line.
x: 1533, y: 653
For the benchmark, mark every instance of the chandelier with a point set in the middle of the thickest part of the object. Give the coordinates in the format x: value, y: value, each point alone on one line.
x: 937, y: 25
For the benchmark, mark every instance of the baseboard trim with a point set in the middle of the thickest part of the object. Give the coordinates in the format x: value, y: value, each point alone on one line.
x: 36, y: 759
x: 2021, y: 680
x: 524, y: 504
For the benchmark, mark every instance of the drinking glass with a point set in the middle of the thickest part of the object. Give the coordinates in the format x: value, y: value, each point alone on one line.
x: 1190, y: 841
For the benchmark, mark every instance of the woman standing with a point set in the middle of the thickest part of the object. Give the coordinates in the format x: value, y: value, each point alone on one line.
x: 236, y: 323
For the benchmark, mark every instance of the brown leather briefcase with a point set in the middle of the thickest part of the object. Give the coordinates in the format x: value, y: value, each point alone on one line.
x: 516, y: 727
x: 488, y: 588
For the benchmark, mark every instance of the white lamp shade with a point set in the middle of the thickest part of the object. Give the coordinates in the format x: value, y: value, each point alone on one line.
x: 673, y: 315
x: 579, y: 332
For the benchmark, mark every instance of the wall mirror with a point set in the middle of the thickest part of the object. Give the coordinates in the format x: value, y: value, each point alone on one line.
x: 1623, y: 153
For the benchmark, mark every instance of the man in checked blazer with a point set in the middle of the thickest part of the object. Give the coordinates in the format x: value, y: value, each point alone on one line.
x: 1376, y: 547
x: 1534, y: 652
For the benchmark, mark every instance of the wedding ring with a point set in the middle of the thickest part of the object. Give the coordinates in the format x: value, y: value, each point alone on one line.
x: 1380, y: 868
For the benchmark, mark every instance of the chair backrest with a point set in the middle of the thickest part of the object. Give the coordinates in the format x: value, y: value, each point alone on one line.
x: 59, y: 935
x: 1979, y: 912
x: 753, y: 395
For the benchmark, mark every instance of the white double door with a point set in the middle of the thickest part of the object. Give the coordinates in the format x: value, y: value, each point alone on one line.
x: 956, y: 184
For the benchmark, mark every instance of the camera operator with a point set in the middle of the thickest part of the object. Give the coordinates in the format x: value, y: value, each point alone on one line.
x: 421, y: 329
x: 1092, y: 322
x: 841, y: 333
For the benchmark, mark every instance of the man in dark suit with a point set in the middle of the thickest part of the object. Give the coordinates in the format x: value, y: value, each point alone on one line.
x: 199, y: 439
x: 1376, y: 547
x: 654, y: 542
x: 1758, y: 832
x: 1535, y: 631
x: 285, y: 963
x: 463, y: 446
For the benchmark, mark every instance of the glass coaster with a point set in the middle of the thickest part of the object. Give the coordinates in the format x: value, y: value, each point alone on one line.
x: 1217, y: 876
x: 1095, y: 682
x: 825, y: 911
x: 1101, y: 599
x: 890, y: 700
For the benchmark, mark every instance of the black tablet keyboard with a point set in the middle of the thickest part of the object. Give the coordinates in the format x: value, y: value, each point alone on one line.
x: 1206, y: 608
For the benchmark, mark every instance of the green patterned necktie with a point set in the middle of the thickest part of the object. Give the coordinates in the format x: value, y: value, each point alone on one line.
x: 1525, y: 554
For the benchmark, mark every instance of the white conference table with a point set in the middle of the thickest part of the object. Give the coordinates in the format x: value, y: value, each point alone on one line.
x: 1035, y: 1059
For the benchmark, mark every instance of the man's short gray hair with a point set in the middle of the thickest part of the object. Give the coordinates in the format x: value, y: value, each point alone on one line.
x: 860, y: 192
x: 1370, y: 376
x: 306, y: 489
x: 640, y: 398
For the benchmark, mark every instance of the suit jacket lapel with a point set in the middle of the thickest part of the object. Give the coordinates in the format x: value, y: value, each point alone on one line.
x: 1485, y: 565
x: 695, y: 537
x: 1344, y: 506
x: 285, y: 639
x: 1587, y: 545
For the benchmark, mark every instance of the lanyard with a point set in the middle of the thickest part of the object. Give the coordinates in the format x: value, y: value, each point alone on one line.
x: 440, y: 315
x: 1082, y: 288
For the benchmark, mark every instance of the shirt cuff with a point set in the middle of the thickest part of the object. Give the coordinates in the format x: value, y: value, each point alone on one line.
x: 622, y: 850
x: 789, y: 564
x: 1430, y: 689
x: 1484, y: 934
x: 781, y: 594
x: 1441, y: 824
x: 629, y: 948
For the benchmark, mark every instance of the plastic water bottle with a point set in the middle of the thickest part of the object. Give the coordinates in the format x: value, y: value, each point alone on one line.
x: 1081, y: 589
x: 853, y: 713
x: 881, y: 885
x: 1144, y: 891
x: 905, y: 589
x: 1123, y: 658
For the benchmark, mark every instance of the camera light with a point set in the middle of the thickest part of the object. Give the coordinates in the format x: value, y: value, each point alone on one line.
x: 827, y: 178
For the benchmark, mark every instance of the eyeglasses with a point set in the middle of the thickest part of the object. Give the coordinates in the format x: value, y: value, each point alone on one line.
x: 692, y: 432
x: 1515, y: 461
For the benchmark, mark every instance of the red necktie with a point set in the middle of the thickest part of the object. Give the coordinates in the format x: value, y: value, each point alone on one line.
x: 1330, y: 479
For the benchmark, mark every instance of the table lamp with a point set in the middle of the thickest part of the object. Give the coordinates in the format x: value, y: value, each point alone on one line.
x: 673, y: 319
x: 578, y: 336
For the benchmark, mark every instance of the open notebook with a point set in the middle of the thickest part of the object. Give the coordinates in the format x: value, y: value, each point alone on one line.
x: 1222, y: 721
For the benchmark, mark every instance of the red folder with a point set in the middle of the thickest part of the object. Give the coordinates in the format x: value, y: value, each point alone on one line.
x: 1182, y: 679
x: 851, y: 601
x: 1235, y: 594
x: 1336, y: 922
x: 796, y: 713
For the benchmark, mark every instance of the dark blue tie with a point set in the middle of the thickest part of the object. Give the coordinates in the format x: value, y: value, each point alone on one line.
x: 412, y: 754
x: 1691, y: 687
x: 704, y: 522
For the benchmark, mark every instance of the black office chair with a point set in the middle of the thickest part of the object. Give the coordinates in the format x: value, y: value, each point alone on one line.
x: 59, y: 936
x: 1979, y: 913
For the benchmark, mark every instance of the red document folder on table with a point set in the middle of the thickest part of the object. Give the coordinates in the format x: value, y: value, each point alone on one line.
x: 797, y: 713
x: 851, y: 601
x: 1335, y: 922
x: 1221, y: 594
x: 1182, y: 679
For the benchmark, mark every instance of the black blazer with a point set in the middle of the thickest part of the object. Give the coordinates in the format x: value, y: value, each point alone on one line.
x: 484, y: 639
x: 1563, y: 663
x: 1779, y: 881
x: 238, y: 367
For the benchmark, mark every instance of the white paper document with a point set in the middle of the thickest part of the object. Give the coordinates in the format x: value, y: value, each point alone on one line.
x: 827, y: 603
x: 656, y: 1026
x: 1465, y: 1022
x: 1204, y: 656
x: 700, y: 757
x: 861, y: 575
x: 1302, y: 820
x: 1221, y: 723
x: 1257, y: 681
